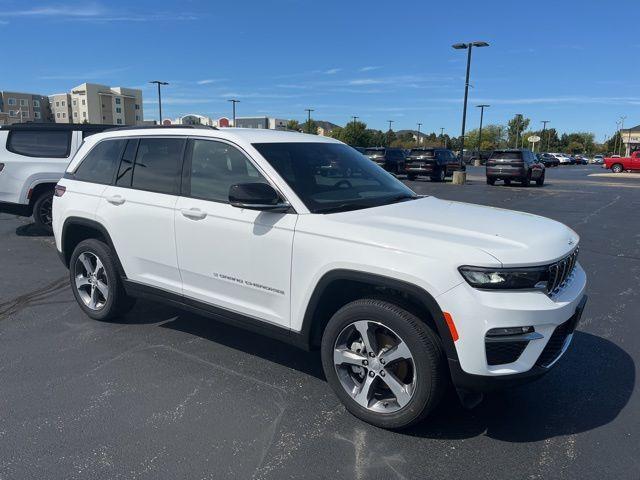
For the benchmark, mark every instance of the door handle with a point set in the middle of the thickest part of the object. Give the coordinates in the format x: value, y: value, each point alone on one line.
x: 193, y: 213
x: 116, y: 199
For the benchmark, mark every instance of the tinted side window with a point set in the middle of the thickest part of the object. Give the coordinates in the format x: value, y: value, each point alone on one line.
x: 123, y: 179
x: 215, y: 166
x: 100, y: 163
x: 40, y: 143
x: 158, y: 164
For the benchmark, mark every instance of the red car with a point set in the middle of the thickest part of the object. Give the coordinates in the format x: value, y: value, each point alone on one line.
x: 620, y: 164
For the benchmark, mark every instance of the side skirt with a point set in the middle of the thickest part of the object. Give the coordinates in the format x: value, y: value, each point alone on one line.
x: 214, y: 312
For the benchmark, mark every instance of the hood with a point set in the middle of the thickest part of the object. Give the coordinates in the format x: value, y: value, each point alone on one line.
x: 462, y: 230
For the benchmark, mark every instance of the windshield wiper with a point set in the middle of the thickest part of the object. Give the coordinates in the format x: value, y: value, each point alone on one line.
x: 342, y: 207
x: 403, y: 198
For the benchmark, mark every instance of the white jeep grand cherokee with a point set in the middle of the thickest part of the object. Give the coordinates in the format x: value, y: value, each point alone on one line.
x: 304, y: 239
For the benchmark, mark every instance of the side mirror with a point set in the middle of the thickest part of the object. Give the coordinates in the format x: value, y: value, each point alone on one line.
x: 256, y: 196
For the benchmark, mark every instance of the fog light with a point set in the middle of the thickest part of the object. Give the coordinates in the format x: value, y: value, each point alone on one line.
x: 500, y: 332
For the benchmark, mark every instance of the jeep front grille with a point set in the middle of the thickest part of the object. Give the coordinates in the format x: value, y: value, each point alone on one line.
x: 560, y: 272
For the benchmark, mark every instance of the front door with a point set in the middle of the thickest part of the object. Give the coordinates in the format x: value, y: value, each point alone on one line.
x: 233, y: 258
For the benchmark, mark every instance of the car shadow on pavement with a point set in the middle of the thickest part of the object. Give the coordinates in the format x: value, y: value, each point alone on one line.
x: 251, y: 343
x: 33, y: 230
x: 568, y: 400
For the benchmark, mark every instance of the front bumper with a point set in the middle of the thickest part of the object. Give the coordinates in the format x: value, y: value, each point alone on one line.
x: 475, y: 312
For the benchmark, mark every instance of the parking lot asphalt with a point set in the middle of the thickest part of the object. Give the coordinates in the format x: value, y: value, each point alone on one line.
x: 166, y: 394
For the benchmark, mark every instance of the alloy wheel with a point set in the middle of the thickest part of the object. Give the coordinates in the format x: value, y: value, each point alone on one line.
x: 375, y: 366
x: 45, y: 212
x: 91, y: 281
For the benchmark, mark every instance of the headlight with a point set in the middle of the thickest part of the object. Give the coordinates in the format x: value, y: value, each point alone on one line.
x: 506, y: 278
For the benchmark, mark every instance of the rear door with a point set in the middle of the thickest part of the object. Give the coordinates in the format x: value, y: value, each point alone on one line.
x: 138, y: 210
x: 232, y: 258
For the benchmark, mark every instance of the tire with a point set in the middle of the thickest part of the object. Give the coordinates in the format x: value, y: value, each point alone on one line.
x: 507, y: 181
x: 411, y: 176
x: 86, y: 288
x: 491, y: 181
x: 540, y: 181
x: 526, y: 181
x: 426, y: 370
x: 42, y: 210
x: 439, y: 176
x: 617, y: 168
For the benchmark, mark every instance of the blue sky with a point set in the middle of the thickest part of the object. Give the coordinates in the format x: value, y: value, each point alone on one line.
x: 575, y: 63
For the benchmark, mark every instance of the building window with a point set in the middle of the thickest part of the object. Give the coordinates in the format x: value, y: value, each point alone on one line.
x: 75, y: 102
x: 57, y: 104
x: 137, y: 107
x: 137, y: 118
x: 12, y: 113
x: 119, y: 121
x: 118, y: 110
x: 118, y: 101
x: 37, y: 115
x: 75, y: 114
x: 84, y: 114
x: 64, y: 115
x: 103, y: 105
x: 62, y: 103
x: 11, y: 101
x: 25, y: 114
x: 36, y: 103
x: 84, y: 102
x: 23, y: 102
x: 58, y: 115
x: 104, y: 118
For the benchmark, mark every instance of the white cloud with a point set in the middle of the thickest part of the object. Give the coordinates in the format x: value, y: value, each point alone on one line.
x: 370, y: 68
x: 332, y: 71
x: 93, y: 12
x: 365, y: 81
x: 207, y: 81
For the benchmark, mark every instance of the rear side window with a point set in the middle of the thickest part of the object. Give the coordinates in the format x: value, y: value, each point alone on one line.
x: 158, y: 164
x: 40, y: 143
x: 100, y: 163
x: 215, y: 166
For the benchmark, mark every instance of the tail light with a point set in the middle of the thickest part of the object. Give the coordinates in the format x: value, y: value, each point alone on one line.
x: 59, y: 190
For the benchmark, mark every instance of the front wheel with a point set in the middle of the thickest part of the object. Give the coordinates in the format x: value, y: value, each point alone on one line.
x: 617, y: 168
x: 540, y: 181
x: 526, y: 181
x: 439, y: 176
x: 95, y: 282
x: 384, y: 364
x: 491, y: 181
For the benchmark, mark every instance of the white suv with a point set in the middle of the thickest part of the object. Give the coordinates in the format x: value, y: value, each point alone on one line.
x: 399, y: 292
x: 33, y: 157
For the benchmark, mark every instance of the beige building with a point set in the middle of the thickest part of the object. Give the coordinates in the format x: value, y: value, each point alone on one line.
x: 100, y: 104
x: 631, y: 139
x: 61, y: 107
x: 16, y: 107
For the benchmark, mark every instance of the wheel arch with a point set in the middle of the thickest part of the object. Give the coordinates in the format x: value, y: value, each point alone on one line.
x: 77, y: 229
x: 338, y: 287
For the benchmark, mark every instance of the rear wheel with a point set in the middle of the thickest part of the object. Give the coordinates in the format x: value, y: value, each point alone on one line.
x: 617, y: 168
x: 526, y: 181
x: 42, y: 210
x: 383, y: 363
x: 507, y: 181
x: 411, y: 176
x: 439, y: 176
x: 95, y: 281
x: 491, y: 181
x: 540, y: 181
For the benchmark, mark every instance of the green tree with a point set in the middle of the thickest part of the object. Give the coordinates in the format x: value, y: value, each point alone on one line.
x: 293, y: 125
x: 493, y: 136
x: 515, y: 126
x: 390, y: 137
x: 309, y: 127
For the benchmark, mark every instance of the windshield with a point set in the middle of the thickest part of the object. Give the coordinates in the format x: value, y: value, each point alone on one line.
x: 507, y: 155
x: 417, y: 152
x: 374, y: 152
x: 332, y: 177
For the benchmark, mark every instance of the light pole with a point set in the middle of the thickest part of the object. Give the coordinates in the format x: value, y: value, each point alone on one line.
x: 468, y: 47
x: 444, y: 140
x: 390, y: 122
x: 544, y: 129
x: 353, y: 119
x: 308, y: 110
x: 158, y: 82
x: 481, y: 107
x: 234, y: 101
x: 418, y: 137
x: 622, y: 119
x: 615, y: 138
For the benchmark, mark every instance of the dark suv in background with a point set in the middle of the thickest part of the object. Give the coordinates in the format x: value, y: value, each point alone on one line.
x: 435, y: 163
x: 519, y: 164
x: 391, y: 159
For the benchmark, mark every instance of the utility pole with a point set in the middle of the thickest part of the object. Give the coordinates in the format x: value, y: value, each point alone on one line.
x: 622, y: 119
x: 308, y: 110
x: 481, y: 107
x: 234, y: 101
x: 468, y: 47
x: 158, y: 82
x: 444, y: 140
x: 544, y: 129
x: 418, y: 137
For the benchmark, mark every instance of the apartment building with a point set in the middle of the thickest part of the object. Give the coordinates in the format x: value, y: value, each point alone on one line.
x: 16, y: 107
x: 60, y: 104
x: 261, y: 122
x: 94, y: 103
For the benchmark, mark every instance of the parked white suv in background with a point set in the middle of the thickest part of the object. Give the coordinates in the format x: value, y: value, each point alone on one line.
x: 399, y: 292
x: 33, y: 157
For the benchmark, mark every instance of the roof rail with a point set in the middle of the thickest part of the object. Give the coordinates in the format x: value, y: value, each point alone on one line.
x: 148, y: 127
x: 79, y: 127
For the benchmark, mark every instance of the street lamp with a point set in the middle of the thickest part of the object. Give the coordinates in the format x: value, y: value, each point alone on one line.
x: 544, y: 129
x: 308, y: 110
x: 468, y: 47
x: 622, y: 119
x: 444, y: 140
x: 418, y: 137
x: 233, y: 102
x: 518, y: 118
x: 353, y: 119
x: 158, y: 82
x: 390, y: 122
x: 481, y: 107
